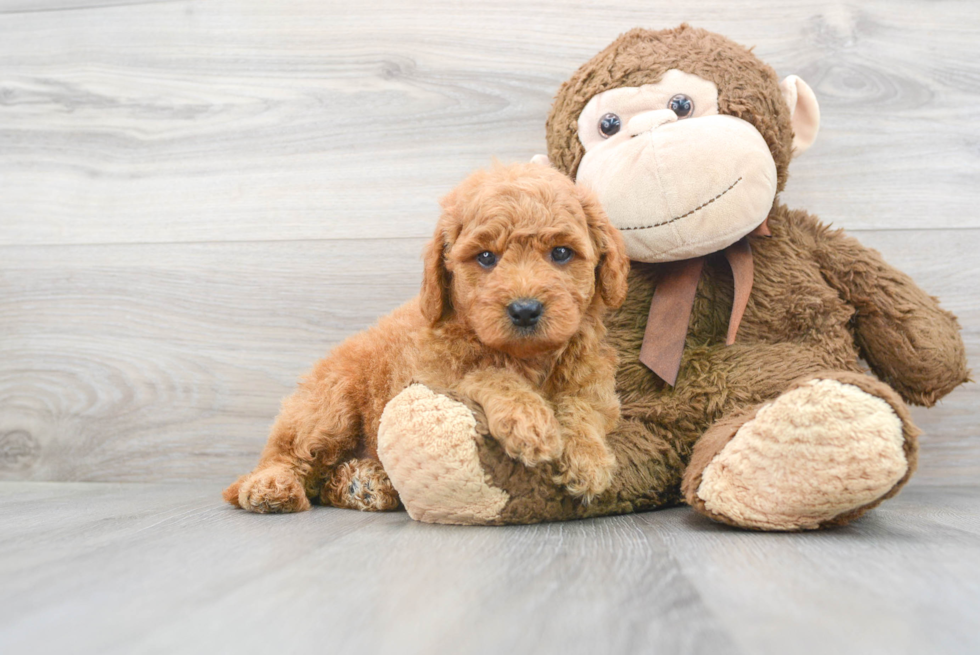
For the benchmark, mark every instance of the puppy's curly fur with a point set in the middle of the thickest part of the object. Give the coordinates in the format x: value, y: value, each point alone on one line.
x: 547, y: 389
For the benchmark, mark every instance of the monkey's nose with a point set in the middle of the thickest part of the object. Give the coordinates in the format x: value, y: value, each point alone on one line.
x: 650, y: 120
x: 524, y: 312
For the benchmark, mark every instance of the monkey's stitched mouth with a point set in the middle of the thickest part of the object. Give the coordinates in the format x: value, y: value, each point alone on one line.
x: 677, y: 218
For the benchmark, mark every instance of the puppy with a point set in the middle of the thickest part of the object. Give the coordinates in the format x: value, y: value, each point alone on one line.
x: 522, y: 267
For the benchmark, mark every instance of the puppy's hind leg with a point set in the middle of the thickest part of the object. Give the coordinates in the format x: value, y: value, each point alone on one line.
x: 360, y: 484
x: 317, y: 428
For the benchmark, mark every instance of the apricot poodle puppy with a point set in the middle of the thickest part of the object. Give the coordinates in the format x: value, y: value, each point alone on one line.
x: 517, y: 278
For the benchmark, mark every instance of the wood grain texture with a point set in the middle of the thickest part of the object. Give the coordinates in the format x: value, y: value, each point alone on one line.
x: 198, y: 199
x: 901, y: 580
x: 245, y: 120
x: 178, y: 352
x: 163, y: 362
x: 104, y: 568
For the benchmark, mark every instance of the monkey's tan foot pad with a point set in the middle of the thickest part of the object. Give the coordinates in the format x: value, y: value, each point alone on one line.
x: 428, y: 444
x: 360, y: 484
x: 821, y: 454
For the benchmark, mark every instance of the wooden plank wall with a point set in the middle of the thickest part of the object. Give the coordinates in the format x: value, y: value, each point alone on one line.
x: 197, y: 199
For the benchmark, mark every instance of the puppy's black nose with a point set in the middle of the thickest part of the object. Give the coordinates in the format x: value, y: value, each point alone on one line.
x: 524, y: 312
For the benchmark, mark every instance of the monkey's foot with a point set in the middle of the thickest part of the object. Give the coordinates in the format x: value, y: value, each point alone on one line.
x: 428, y: 443
x: 822, y: 453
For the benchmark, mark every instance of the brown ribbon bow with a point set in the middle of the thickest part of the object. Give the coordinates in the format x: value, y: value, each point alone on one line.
x: 673, y: 300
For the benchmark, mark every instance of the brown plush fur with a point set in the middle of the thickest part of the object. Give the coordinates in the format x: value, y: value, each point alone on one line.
x: 548, y: 392
x: 820, y: 303
x: 719, y: 434
x: 747, y: 88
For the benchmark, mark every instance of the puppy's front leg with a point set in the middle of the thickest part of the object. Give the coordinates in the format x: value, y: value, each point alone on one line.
x: 586, y: 462
x: 518, y: 417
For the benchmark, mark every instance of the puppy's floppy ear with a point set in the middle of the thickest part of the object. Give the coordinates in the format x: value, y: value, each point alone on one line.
x: 614, y: 265
x: 435, y: 298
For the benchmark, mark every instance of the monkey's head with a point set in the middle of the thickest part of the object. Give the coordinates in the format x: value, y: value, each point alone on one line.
x: 684, y: 135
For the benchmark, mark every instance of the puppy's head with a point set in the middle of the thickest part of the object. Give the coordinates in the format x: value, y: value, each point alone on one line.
x: 521, y: 255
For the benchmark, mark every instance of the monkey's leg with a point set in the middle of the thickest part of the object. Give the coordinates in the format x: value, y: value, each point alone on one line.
x: 447, y: 468
x: 828, y: 449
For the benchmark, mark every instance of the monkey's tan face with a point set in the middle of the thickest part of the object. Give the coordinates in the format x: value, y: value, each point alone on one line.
x: 677, y: 179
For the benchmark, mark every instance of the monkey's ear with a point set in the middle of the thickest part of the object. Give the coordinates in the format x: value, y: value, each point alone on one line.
x: 804, y: 112
x: 435, y: 299
x: 614, y: 265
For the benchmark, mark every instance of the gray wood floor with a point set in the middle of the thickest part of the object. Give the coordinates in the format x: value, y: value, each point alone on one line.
x: 198, y: 198
x: 158, y: 568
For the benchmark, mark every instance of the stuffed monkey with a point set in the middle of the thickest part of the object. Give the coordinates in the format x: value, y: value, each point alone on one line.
x: 740, y: 343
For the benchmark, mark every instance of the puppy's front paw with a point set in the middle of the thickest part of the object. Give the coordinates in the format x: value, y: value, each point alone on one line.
x: 586, y: 468
x: 529, y: 433
x: 271, y: 490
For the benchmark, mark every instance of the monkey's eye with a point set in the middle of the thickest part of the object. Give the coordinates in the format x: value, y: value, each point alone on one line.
x: 609, y: 125
x: 681, y: 105
x: 561, y: 254
x: 486, y: 259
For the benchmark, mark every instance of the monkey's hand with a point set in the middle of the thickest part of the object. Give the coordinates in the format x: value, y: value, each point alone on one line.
x: 907, y: 339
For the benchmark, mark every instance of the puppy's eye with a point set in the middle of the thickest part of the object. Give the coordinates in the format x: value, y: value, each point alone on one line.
x: 681, y: 105
x: 561, y: 254
x: 609, y: 125
x: 486, y: 259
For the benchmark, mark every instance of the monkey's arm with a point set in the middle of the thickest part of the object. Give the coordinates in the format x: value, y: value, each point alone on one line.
x: 908, y: 340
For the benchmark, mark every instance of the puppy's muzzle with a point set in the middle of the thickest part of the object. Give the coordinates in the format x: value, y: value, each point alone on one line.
x: 524, y: 312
